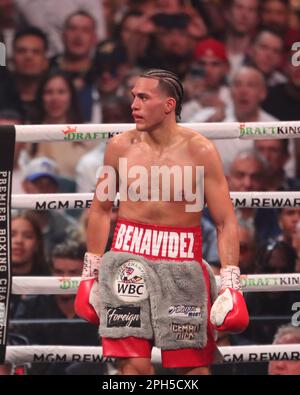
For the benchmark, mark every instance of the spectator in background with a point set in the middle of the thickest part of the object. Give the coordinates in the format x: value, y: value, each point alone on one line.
x: 247, y: 173
x: 158, y: 6
x: 7, y: 26
x: 110, y: 65
x: 266, y: 54
x: 296, y: 246
x: 40, y: 176
x: 283, y: 103
x: 50, y: 16
x: 248, y: 89
x: 287, y: 334
x: 67, y: 261
x: 283, y: 100
x: 276, y: 15
x: 113, y: 10
x: 288, y: 218
x: 9, y: 96
x: 28, y: 257
x: 56, y: 100
x: 134, y: 33
x: 241, y: 17
x: 247, y: 248
x: 30, y: 64
x: 205, y: 83
x: 117, y: 109
x: 174, y: 44
x: 27, y: 250
x: 277, y: 154
x: 57, y: 104
x: 128, y: 84
x: 79, y: 39
x: 275, y: 257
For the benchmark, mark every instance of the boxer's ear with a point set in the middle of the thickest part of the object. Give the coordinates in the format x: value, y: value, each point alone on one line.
x: 170, y: 105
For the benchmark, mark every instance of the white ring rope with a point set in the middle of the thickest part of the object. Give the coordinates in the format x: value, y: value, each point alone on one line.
x: 68, y: 285
x: 25, y: 354
x: 84, y: 200
x: 220, y: 130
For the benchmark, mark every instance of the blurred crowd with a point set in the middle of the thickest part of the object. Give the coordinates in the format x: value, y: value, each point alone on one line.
x: 76, y: 61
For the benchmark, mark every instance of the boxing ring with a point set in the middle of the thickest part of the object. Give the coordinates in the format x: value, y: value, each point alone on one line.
x: 62, y: 285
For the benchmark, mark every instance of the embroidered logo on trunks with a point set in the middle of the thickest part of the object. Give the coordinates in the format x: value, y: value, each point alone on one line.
x: 184, y: 311
x: 130, y: 282
x: 185, y: 331
x: 123, y: 316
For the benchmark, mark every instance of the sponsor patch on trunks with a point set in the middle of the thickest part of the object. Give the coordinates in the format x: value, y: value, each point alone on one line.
x: 123, y: 316
x: 130, y: 284
x: 184, y: 311
x: 184, y: 331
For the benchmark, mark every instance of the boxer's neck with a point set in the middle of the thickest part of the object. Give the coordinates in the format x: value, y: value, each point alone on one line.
x: 163, y: 136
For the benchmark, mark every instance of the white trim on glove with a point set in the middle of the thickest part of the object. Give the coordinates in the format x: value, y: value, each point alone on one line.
x: 222, y: 306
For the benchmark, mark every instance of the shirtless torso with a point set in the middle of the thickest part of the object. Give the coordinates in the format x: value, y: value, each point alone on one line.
x: 180, y: 189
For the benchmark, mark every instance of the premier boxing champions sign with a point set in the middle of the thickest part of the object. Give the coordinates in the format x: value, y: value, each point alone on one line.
x: 7, y: 145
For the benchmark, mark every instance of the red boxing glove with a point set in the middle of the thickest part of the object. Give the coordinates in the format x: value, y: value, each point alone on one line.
x: 229, y: 312
x: 87, y: 299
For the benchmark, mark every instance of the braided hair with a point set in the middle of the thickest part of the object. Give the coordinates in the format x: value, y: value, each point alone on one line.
x: 170, y: 83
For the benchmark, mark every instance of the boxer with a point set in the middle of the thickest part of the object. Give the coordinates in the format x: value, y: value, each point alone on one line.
x: 153, y: 288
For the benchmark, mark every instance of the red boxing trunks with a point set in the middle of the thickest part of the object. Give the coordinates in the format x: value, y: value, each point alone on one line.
x: 156, y: 290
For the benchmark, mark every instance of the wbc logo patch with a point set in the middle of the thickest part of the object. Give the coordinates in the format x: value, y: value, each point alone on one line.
x: 129, y: 284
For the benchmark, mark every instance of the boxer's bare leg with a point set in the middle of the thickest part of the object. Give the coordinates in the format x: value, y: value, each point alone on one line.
x: 201, y: 371
x: 135, y: 366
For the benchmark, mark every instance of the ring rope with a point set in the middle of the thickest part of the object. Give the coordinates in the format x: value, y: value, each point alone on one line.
x: 67, y: 321
x: 83, y: 200
x: 68, y: 285
x: 30, y: 354
x: 220, y: 130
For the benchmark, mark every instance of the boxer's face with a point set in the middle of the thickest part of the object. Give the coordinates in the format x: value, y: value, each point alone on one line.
x: 150, y: 104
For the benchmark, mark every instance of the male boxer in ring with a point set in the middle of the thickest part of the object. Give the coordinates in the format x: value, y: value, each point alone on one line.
x: 153, y: 288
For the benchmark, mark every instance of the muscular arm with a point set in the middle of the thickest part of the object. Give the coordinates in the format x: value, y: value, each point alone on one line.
x: 99, y: 216
x: 220, y: 206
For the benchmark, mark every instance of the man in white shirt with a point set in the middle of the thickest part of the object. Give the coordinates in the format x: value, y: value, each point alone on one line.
x: 248, y: 90
x: 50, y: 16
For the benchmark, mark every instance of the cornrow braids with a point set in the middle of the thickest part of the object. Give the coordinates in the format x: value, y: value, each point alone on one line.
x: 170, y: 83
